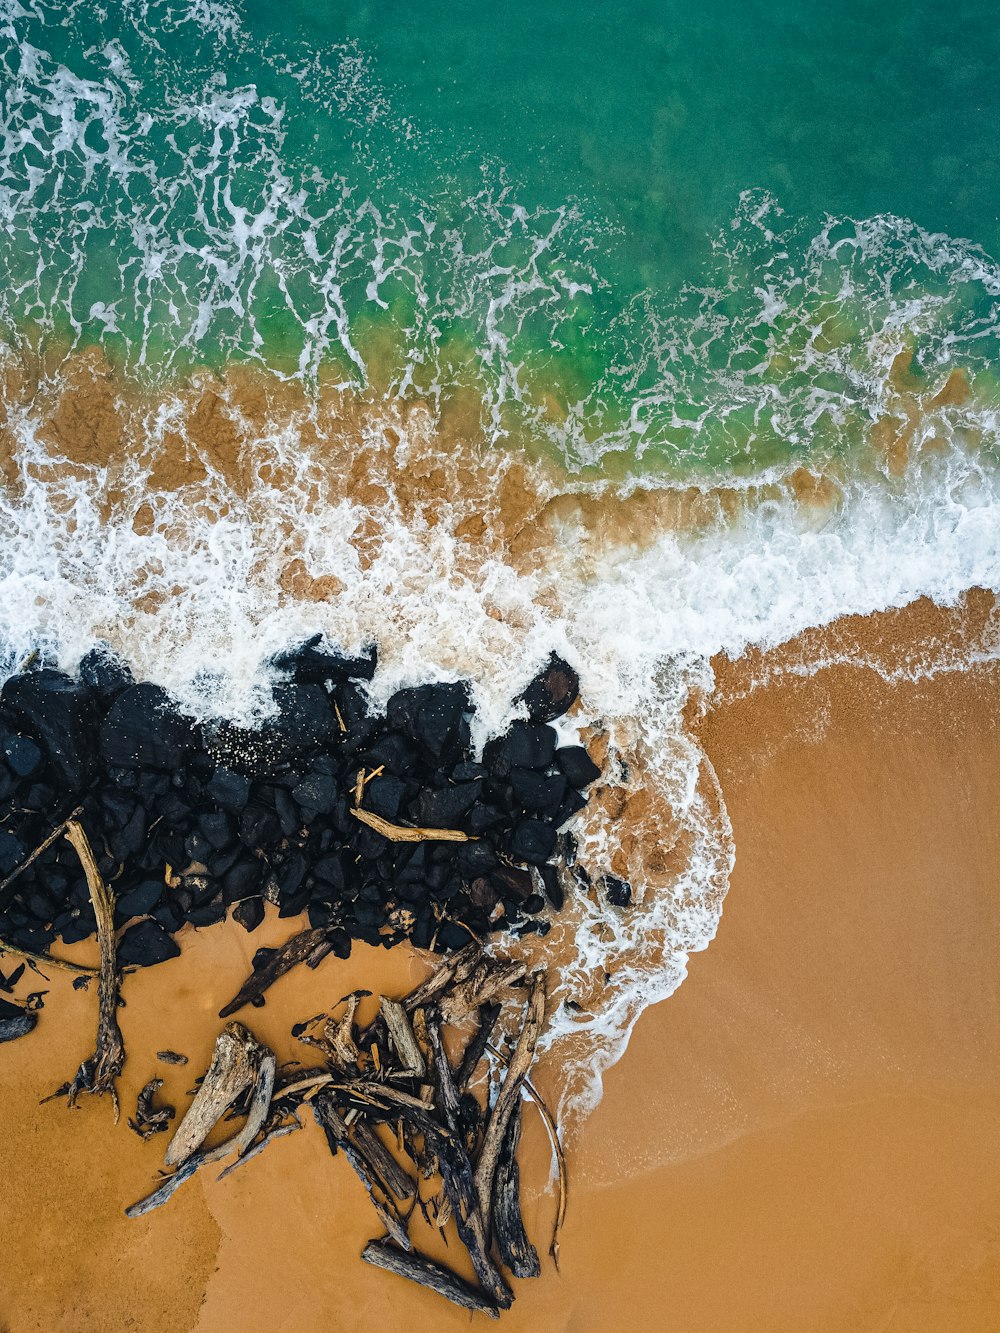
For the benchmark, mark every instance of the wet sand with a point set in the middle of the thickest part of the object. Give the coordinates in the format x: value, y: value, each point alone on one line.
x: 804, y: 1137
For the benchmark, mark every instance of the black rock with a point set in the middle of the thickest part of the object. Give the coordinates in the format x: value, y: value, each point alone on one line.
x: 433, y: 716
x: 535, y: 792
x: 552, y: 884
x: 145, y: 944
x: 531, y: 841
x: 312, y: 663
x: 198, y: 848
x: 341, y: 942
x: 316, y: 792
x: 79, y: 928
x: 140, y: 900
x: 144, y: 729
x: 218, y: 829
x: 483, y: 817
x: 512, y: 882
x: 61, y: 714
x: 259, y: 827
x: 617, y: 891
x: 289, y: 877
x: 228, y: 789
x: 451, y: 936
x: 12, y: 852
x: 22, y: 755
x: 384, y: 797
x: 572, y: 802
x: 445, y: 807
x: 249, y: 913
x: 125, y: 842
x: 330, y: 869
x: 475, y: 858
x: 305, y: 720
x: 242, y: 881
x: 170, y: 915
x: 209, y: 914
x: 392, y: 752
x: 577, y: 766
x: 552, y: 692
x: 105, y: 673
x: 531, y: 744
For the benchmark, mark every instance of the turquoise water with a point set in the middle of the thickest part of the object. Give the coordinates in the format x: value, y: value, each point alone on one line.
x: 695, y: 235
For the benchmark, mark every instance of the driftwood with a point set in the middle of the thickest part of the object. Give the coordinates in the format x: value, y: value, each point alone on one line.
x: 428, y: 1274
x: 396, y: 1073
x: 516, y: 1250
x: 47, y: 960
x: 408, y: 833
x: 149, y: 1119
x: 237, y: 1064
x: 401, y: 1035
x: 558, y: 1156
x: 510, y: 1091
x: 389, y: 1215
x: 98, y: 1073
x: 296, y: 950
x: 476, y: 1049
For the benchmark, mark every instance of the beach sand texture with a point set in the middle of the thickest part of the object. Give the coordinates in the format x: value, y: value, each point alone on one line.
x: 804, y: 1137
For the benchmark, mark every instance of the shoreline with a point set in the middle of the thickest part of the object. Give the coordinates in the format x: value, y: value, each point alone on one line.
x: 800, y: 1138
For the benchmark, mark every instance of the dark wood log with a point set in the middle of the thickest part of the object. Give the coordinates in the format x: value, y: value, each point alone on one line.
x: 476, y: 1049
x: 516, y: 1250
x: 293, y: 951
x: 510, y: 1093
x: 330, y: 1120
x: 433, y: 1276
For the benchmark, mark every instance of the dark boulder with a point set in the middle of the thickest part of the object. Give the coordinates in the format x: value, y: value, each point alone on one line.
x: 242, y: 880
x: 617, y: 891
x: 573, y: 802
x: 140, y: 900
x: 433, y: 716
x: 525, y: 745
x: 531, y: 841
x: 552, y: 885
x: 144, y: 729
x: 446, y: 806
x: 61, y: 714
x: 384, y: 796
x: 105, y: 673
x: 577, y: 766
x: 228, y: 789
x: 537, y: 793
x: 145, y: 944
x: 305, y: 721
x: 249, y: 913
x: 218, y: 829
x: 316, y: 792
x: 12, y: 852
x: 312, y: 663
x: 552, y: 692
x: 23, y: 757
x: 392, y: 752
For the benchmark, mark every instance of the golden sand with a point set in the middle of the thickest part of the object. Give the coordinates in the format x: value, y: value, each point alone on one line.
x: 804, y: 1137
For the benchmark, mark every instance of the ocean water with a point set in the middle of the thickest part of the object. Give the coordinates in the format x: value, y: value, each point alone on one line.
x: 643, y: 333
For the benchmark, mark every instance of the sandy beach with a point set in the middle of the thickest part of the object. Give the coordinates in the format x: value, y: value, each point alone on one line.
x: 804, y: 1137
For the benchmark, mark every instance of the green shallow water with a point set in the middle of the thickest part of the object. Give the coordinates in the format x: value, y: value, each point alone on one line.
x: 687, y: 237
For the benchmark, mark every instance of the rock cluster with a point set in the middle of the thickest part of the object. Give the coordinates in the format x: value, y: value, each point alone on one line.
x: 191, y: 821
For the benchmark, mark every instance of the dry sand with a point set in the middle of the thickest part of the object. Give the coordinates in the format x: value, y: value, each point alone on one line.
x: 803, y: 1138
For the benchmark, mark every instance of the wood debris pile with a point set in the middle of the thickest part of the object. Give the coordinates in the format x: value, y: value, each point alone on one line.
x: 402, y: 1098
